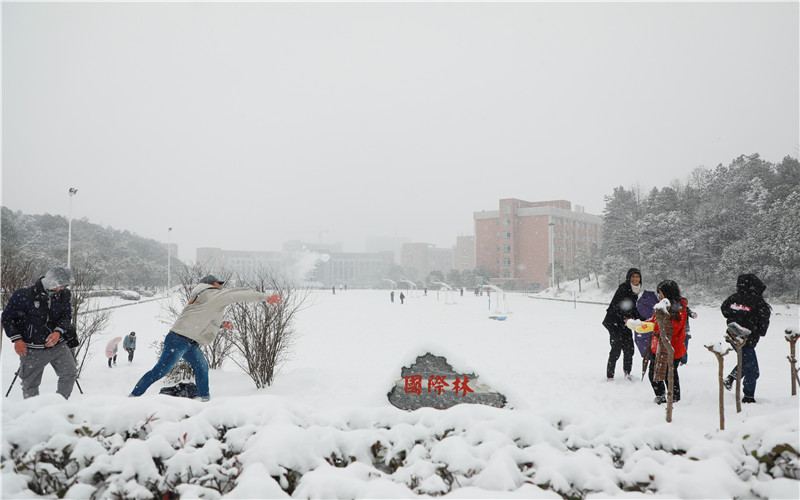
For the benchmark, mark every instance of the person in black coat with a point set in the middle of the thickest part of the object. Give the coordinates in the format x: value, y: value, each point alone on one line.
x: 621, y: 309
x: 35, y: 320
x: 748, y: 308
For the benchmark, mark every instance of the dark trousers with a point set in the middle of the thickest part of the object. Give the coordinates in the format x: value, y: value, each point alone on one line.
x: 114, y: 359
x: 621, y: 342
x: 750, y: 371
x: 130, y: 355
x: 660, y: 388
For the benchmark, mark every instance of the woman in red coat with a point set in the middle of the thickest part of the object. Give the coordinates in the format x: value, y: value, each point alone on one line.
x: 669, y: 290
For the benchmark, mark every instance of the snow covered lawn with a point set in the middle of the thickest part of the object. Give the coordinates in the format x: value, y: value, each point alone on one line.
x: 325, y: 429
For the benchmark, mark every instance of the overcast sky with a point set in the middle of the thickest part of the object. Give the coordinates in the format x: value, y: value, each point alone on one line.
x: 245, y: 125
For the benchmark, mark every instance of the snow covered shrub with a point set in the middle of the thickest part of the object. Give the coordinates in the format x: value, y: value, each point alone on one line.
x: 263, y: 333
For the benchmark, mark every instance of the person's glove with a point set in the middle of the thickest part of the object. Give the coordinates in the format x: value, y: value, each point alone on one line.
x: 20, y: 347
x: 274, y: 300
x: 227, y: 325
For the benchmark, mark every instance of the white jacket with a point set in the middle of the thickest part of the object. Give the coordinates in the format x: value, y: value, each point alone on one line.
x: 201, y: 319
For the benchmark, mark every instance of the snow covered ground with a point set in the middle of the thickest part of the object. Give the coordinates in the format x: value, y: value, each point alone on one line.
x: 325, y: 428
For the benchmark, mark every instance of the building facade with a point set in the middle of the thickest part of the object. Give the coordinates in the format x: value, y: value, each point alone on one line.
x: 521, y: 240
x: 464, y: 253
x: 419, y: 259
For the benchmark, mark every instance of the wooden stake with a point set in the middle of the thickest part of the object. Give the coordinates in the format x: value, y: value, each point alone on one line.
x: 721, y: 386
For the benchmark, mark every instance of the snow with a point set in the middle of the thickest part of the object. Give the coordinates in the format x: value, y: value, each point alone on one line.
x: 326, y: 428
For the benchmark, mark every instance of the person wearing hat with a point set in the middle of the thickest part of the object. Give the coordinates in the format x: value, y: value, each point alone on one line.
x: 196, y: 326
x: 35, y: 320
x: 129, y: 344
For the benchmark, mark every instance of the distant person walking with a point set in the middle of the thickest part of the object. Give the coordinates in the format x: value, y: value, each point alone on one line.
x: 621, y: 309
x: 35, y: 320
x: 391, y: 296
x: 748, y: 308
x: 111, y: 350
x: 402, y: 298
x: 129, y: 344
x: 198, y: 325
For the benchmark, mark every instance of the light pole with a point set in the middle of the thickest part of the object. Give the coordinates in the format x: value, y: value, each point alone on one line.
x: 169, y: 260
x: 72, y: 192
x: 552, y: 258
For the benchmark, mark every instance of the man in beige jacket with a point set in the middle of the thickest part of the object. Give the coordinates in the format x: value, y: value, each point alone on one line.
x: 197, y: 325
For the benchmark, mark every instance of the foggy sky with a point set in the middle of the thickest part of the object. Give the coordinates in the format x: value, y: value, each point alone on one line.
x: 245, y: 125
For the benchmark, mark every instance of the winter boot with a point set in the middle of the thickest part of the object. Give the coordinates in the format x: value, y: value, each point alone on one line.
x: 748, y: 399
x: 728, y: 382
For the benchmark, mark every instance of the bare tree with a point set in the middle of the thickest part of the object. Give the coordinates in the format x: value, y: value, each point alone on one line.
x: 263, y: 334
x: 88, y: 321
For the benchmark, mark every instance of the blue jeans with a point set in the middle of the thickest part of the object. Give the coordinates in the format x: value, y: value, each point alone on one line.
x: 175, y: 348
x: 750, y: 371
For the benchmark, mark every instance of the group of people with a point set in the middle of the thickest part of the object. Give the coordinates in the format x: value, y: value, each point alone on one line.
x: 129, y: 344
x: 746, y: 307
x: 37, y: 317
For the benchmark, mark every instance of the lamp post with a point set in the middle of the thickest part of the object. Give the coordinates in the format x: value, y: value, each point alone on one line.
x: 72, y: 192
x: 552, y: 257
x: 169, y: 260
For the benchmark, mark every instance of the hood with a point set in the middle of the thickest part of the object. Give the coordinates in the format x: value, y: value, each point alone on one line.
x: 631, y: 272
x: 750, y: 284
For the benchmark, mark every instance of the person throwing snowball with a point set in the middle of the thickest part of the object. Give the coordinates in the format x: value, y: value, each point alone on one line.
x: 198, y: 325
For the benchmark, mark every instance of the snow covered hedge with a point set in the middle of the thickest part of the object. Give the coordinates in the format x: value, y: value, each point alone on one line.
x: 264, y: 449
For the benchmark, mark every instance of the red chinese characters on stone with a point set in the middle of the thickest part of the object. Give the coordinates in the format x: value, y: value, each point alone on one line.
x: 462, y: 387
x: 414, y: 384
x: 437, y: 383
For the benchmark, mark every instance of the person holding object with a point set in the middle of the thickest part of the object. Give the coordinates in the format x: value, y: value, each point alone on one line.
x: 622, y: 308
x: 667, y: 289
x: 198, y: 325
x: 129, y: 344
x: 748, y: 308
x: 35, y: 320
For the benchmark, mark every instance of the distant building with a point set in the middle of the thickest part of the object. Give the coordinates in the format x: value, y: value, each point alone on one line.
x: 241, y: 262
x: 464, y: 253
x: 355, y: 268
x: 419, y: 259
x: 375, y: 244
x: 310, y: 265
x: 513, y: 242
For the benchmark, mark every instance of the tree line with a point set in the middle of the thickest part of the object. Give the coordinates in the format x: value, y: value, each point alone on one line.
x: 706, y: 230
x: 120, y: 258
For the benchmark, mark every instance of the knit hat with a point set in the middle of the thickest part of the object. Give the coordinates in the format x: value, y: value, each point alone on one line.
x: 57, y: 277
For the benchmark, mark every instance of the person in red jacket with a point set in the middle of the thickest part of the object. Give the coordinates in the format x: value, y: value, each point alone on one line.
x: 669, y: 290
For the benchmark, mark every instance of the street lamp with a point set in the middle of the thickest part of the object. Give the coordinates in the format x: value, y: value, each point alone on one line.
x: 552, y: 257
x: 169, y: 260
x: 72, y: 192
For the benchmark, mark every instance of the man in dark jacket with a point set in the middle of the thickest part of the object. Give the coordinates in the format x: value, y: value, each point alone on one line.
x: 35, y: 320
x: 621, y: 309
x: 748, y: 308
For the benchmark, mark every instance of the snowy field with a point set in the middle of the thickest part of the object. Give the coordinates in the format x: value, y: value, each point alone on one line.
x: 325, y: 428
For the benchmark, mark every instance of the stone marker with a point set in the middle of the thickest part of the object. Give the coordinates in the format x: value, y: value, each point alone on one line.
x: 432, y: 382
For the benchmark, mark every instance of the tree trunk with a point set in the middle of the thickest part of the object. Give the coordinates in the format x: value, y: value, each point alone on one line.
x: 720, y: 377
x: 665, y: 343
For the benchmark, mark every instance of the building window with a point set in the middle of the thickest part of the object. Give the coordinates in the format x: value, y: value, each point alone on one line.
x: 506, y: 235
x: 506, y: 262
x: 506, y: 248
x: 506, y: 209
x: 506, y: 221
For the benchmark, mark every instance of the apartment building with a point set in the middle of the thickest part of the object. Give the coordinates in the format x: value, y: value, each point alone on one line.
x: 514, y: 242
